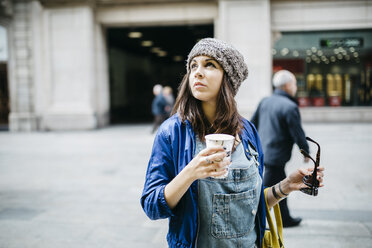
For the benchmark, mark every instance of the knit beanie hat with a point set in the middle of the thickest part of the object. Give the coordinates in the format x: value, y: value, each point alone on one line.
x: 226, y: 55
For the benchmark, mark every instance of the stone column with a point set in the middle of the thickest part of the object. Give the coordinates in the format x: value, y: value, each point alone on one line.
x: 246, y: 24
x: 102, y: 89
x: 22, y: 116
x: 68, y: 64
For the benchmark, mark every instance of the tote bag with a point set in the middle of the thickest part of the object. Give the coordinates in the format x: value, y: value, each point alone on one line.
x: 274, y: 236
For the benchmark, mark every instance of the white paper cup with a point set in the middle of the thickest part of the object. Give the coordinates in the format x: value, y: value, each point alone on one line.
x: 224, y: 140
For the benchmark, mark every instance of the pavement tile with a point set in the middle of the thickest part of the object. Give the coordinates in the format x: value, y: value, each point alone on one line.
x: 82, y: 189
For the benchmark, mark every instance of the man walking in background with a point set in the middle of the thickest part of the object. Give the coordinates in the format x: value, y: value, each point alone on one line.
x: 169, y: 98
x: 158, y: 107
x: 278, y: 122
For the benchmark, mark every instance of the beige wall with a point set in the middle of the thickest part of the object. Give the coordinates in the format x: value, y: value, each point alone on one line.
x: 158, y: 14
x: 321, y: 15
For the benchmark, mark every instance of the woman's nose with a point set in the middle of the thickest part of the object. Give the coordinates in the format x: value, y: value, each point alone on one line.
x: 198, y: 72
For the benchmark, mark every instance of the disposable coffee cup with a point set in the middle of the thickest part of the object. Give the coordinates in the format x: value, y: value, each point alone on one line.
x: 224, y: 140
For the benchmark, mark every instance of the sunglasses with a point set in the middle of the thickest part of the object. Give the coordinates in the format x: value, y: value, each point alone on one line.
x: 310, y: 180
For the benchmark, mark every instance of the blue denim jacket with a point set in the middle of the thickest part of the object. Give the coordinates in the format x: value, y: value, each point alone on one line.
x: 172, y: 150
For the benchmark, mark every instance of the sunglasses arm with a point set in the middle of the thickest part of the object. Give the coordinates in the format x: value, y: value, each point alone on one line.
x: 307, y: 155
x: 318, y: 153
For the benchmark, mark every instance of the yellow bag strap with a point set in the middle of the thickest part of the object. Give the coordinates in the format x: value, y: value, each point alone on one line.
x: 278, y: 232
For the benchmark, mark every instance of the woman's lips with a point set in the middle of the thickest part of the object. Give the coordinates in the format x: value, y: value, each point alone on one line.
x: 199, y: 85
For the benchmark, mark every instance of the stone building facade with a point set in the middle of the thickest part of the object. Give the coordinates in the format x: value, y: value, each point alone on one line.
x: 58, y: 70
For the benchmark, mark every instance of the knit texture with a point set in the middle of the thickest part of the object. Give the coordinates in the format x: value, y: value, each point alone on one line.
x: 231, y: 60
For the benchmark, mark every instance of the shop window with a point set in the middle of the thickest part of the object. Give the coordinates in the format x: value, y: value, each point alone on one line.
x: 332, y: 68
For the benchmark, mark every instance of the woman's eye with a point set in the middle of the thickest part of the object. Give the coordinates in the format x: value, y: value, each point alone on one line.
x: 210, y: 64
x: 193, y: 66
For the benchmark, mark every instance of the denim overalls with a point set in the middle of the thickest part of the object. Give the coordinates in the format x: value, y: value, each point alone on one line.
x: 227, y: 207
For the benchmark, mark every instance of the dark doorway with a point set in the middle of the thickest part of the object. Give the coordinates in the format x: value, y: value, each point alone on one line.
x: 4, y: 97
x: 141, y: 57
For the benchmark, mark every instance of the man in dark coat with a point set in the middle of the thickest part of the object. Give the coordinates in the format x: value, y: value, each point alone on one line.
x: 158, y: 107
x: 278, y: 122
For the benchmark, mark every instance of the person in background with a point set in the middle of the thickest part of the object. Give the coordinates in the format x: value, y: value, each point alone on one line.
x: 169, y: 98
x: 204, y: 211
x: 278, y: 122
x: 158, y: 107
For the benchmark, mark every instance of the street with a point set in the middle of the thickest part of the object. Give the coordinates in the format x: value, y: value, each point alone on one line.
x: 82, y: 189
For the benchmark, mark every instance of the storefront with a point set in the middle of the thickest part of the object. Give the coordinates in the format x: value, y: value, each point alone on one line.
x: 333, y: 68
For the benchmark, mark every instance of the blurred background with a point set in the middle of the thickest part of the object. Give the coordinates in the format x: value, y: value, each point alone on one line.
x: 76, y: 79
x: 73, y: 65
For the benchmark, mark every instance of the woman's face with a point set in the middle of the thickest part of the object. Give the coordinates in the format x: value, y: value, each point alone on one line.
x: 205, y: 78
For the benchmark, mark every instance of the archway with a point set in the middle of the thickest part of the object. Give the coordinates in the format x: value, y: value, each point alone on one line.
x: 141, y: 57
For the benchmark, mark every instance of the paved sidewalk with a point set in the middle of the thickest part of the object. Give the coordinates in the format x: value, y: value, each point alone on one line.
x: 82, y: 189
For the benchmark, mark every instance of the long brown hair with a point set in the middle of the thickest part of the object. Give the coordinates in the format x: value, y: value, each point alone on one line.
x: 189, y: 108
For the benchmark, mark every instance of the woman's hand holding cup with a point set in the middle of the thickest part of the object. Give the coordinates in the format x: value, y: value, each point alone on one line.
x: 210, y: 162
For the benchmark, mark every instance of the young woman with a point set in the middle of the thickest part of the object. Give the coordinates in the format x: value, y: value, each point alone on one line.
x: 180, y: 184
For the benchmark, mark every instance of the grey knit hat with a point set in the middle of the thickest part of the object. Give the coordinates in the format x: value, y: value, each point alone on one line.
x: 226, y: 55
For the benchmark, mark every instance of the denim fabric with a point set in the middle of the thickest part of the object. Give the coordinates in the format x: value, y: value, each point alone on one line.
x: 173, y: 149
x: 228, y: 207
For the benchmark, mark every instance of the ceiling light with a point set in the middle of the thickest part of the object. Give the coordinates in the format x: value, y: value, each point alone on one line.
x: 273, y: 51
x: 308, y: 52
x: 352, y: 49
x: 355, y: 55
x: 339, y: 56
x: 333, y: 58
x: 135, y: 35
x: 178, y: 58
x: 295, y: 53
x: 146, y: 43
x: 162, y: 53
x: 155, y: 49
x: 313, y: 49
x: 320, y: 53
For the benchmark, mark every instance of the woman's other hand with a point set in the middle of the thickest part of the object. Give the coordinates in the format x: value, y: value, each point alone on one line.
x: 294, y: 180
